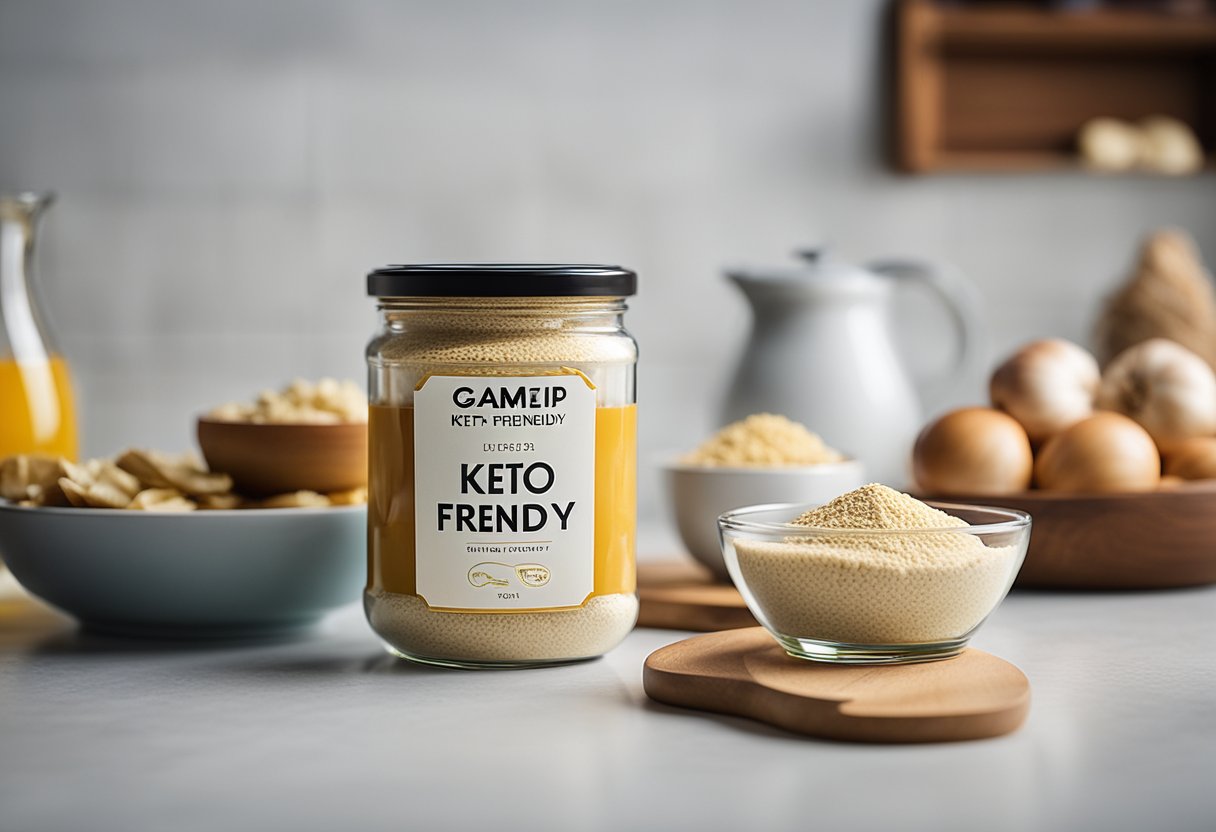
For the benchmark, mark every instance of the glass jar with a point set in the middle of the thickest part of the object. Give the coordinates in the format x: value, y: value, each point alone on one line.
x: 502, y: 463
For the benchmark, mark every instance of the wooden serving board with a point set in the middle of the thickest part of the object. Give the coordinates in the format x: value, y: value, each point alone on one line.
x: 682, y: 595
x: 745, y: 673
x: 1155, y: 540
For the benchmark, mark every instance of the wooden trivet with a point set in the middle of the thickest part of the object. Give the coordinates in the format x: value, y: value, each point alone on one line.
x: 684, y: 596
x: 745, y: 673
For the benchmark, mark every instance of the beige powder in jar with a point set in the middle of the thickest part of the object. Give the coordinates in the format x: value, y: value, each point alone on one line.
x: 856, y: 588
x: 592, y: 630
x: 510, y: 337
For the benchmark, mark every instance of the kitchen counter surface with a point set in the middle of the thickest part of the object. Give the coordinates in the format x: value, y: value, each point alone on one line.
x: 330, y: 733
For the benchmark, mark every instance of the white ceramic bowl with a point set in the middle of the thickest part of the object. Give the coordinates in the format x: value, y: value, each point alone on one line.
x: 698, y: 494
x: 211, y: 574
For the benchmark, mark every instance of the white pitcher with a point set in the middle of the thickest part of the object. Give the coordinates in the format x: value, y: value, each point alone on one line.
x: 822, y: 353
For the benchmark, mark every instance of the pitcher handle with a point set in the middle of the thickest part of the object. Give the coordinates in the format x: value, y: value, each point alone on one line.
x: 957, y: 294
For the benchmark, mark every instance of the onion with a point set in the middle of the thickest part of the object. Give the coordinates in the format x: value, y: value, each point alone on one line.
x: 1194, y: 459
x: 1165, y: 387
x: 1047, y: 385
x: 1104, y: 453
x: 974, y: 450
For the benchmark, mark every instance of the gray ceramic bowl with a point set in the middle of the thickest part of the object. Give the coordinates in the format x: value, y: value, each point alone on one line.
x: 698, y: 494
x: 210, y: 574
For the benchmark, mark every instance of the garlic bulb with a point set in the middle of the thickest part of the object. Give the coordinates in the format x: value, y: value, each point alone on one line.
x: 1047, y: 385
x: 1110, y: 144
x: 974, y: 450
x: 1169, y: 146
x: 1105, y: 453
x: 1165, y: 387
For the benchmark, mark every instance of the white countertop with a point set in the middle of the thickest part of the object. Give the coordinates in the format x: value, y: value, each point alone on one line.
x: 330, y: 733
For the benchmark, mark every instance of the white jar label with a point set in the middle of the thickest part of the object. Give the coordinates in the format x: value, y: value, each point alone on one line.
x: 504, y: 491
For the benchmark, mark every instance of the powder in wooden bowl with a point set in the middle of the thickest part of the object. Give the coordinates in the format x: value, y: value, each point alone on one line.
x: 839, y: 584
x: 763, y: 440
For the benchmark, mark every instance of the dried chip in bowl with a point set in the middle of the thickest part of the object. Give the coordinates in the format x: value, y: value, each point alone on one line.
x: 32, y: 477
x: 296, y: 499
x: 161, y: 499
x: 184, y: 473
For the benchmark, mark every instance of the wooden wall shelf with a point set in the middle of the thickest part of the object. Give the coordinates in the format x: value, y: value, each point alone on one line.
x: 1006, y: 89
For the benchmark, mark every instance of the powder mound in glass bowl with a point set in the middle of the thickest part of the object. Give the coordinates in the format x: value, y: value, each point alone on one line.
x: 763, y: 440
x: 875, y: 506
x: 837, y: 584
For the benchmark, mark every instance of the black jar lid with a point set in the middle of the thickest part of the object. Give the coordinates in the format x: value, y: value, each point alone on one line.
x: 501, y: 280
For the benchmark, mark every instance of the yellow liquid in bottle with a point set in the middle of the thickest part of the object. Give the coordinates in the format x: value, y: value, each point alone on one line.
x: 37, y: 413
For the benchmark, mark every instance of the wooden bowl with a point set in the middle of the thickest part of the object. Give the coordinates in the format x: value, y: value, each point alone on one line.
x: 1153, y: 540
x: 276, y: 459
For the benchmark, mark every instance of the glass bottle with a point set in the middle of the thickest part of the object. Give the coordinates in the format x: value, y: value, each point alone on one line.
x: 37, y: 414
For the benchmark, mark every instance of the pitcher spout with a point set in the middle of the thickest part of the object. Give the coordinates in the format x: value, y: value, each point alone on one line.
x: 24, y: 206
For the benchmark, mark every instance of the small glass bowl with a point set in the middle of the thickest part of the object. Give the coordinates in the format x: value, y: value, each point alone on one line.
x: 860, y: 596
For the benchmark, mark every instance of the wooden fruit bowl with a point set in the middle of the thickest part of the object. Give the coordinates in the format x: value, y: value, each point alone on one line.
x: 1154, y: 540
x: 265, y: 459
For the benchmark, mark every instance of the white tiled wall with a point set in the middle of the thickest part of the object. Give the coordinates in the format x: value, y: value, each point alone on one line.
x: 228, y: 171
